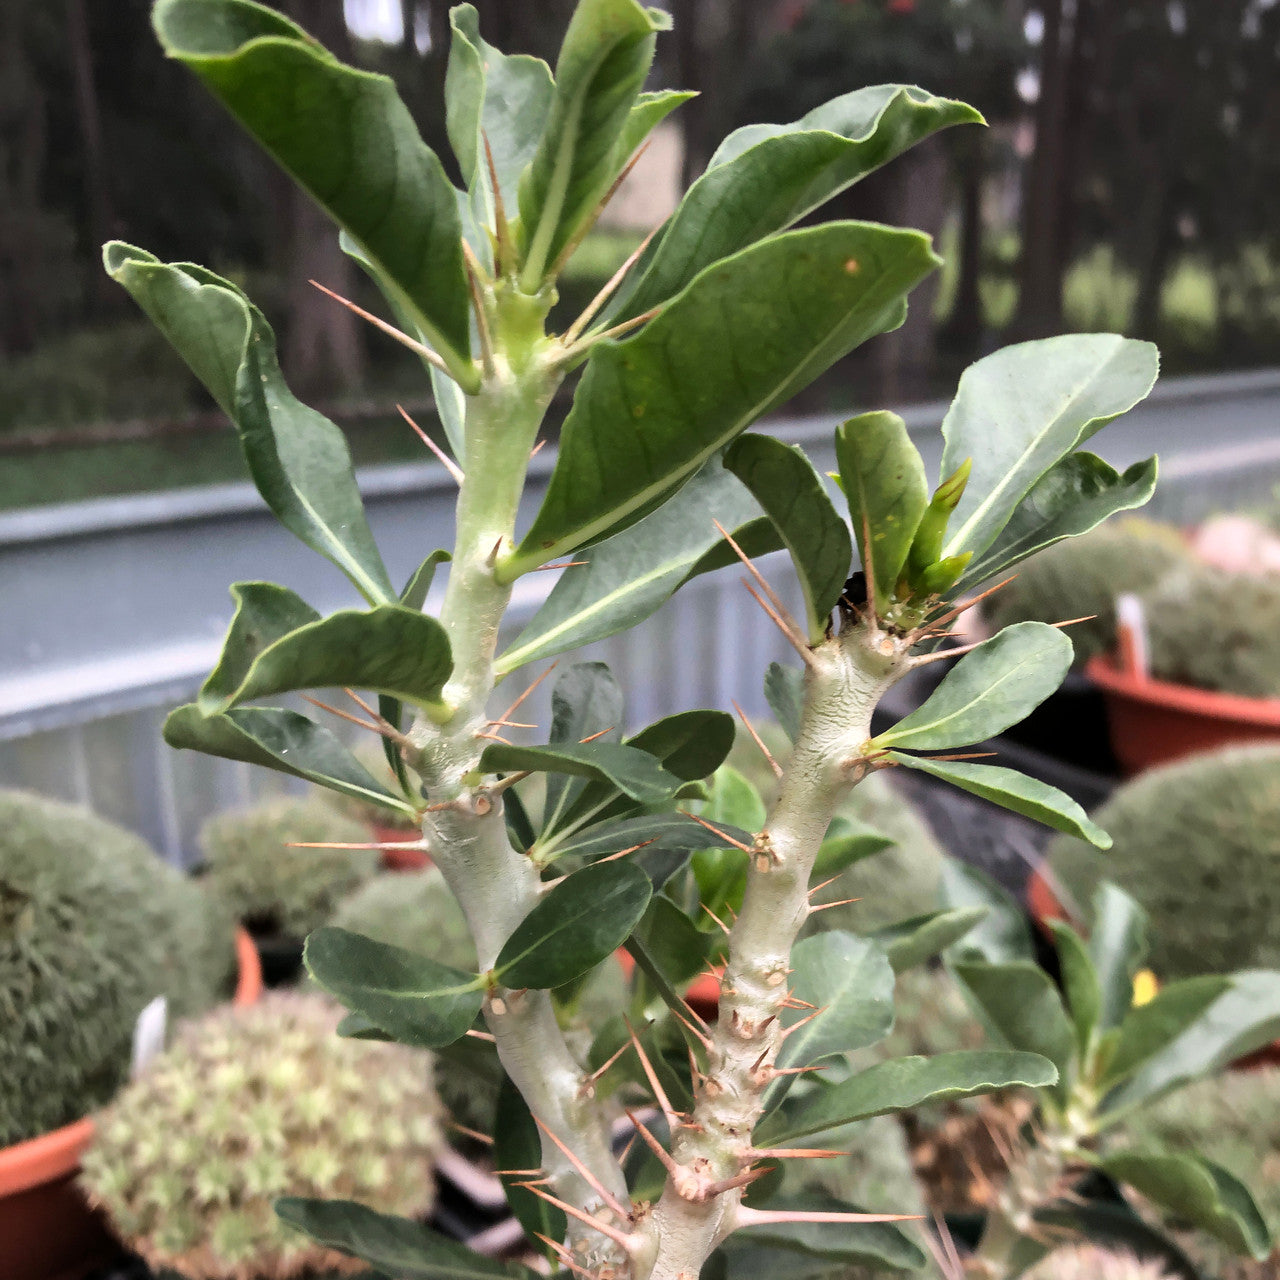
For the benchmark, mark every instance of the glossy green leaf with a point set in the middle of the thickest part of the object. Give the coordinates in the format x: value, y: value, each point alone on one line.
x: 746, y: 335
x: 994, y: 686
x: 394, y: 1246
x: 784, y: 692
x: 517, y: 1144
x: 583, y: 920
x: 1021, y: 1008
x: 850, y: 979
x: 410, y: 997
x: 677, y: 945
x: 348, y: 140
x: 602, y: 67
x: 649, y: 111
x: 388, y: 649
x: 629, y: 576
x: 414, y: 595
x: 1003, y: 933
x: 586, y: 703
x: 1117, y: 946
x: 844, y: 845
x: 1020, y: 411
x: 491, y: 95
x: 634, y: 773
x: 903, y: 1084
x: 1012, y: 790
x: 264, y: 614
x: 765, y: 178
x: 881, y: 1244
x: 1075, y: 495
x: 1243, y: 1018
x: 355, y: 1026
x: 298, y: 459
x: 281, y: 740
x: 882, y: 476
x: 1080, y: 983
x: 913, y: 941
x: 1197, y: 1191
x: 667, y: 831
x: 784, y: 483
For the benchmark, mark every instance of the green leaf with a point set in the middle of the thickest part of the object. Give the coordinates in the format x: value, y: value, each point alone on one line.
x: 1117, y: 947
x: 586, y: 703
x: 746, y: 335
x: 414, y: 595
x: 678, y: 947
x: 1080, y: 984
x: 668, y: 832
x: 281, y: 740
x: 911, y: 942
x: 881, y: 1244
x: 412, y: 998
x: 851, y: 981
x: 579, y: 923
x: 1075, y: 495
x: 395, y: 1246
x: 1020, y: 1007
x: 388, y: 649
x: 298, y: 459
x: 1020, y: 411
x: 784, y: 692
x: 882, y: 476
x: 649, y: 111
x: 602, y: 67
x: 1003, y: 933
x: 1197, y: 1191
x: 627, y: 577
x: 765, y: 178
x: 1012, y: 790
x: 992, y: 687
x: 1241, y: 1019
x: 489, y: 94
x: 793, y: 496
x: 903, y: 1084
x: 346, y: 138
x: 264, y: 614
x: 517, y: 1144
x: 634, y: 773
x: 355, y: 1026
x: 844, y: 845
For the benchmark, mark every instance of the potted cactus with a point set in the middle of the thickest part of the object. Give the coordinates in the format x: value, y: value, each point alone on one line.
x: 93, y: 926
x: 250, y: 1103
x: 282, y: 867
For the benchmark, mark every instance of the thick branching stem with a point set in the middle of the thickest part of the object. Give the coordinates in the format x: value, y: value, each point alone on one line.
x: 843, y: 683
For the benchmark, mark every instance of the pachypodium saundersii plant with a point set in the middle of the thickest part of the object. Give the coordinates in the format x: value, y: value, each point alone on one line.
x: 724, y: 313
x: 1114, y: 1057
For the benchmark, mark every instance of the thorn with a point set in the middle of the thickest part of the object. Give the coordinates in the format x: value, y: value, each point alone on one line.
x: 668, y: 1111
x: 575, y: 330
x: 654, y: 1145
x: 795, y: 1153
x: 817, y: 888
x: 794, y: 1071
x: 470, y: 1133
x: 587, y: 1176
x: 748, y: 1217
x: 702, y: 822
x: 385, y: 732
x: 618, y: 1237
x: 869, y: 568
x: 509, y: 781
x: 492, y: 558
x: 475, y: 273
x: 618, y: 330
x: 539, y: 1173
x: 385, y: 724
x: 389, y: 329
x: 769, y: 592
x: 342, y: 844
x: 589, y: 1082
x: 622, y: 853
x: 1071, y: 622
x: 798, y: 645
x: 724, y: 927
x: 449, y: 465
x: 826, y: 906
x: 591, y: 737
x: 755, y: 737
x: 729, y: 1184
x: 510, y: 724
x: 563, y: 564
x: 795, y: 1026
x: 965, y: 755
x: 965, y: 605
x: 565, y: 1257
x: 924, y: 659
x: 702, y: 1039
x: 759, y: 1062
x: 793, y: 1001
x: 444, y: 804
x: 482, y: 1035
x: 494, y: 737
x: 581, y: 234
x: 519, y: 702
x: 501, y: 226
x: 537, y: 448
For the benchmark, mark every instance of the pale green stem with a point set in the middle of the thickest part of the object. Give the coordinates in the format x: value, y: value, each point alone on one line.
x: 847, y: 678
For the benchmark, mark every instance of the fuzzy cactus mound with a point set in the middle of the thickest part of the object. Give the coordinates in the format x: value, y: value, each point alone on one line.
x: 93, y: 926
x: 248, y: 1105
x: 1081, y: 577
x: 280, y: 890
x: 1216, y: 631
x: 415, y: 910
x: 1197, y: 843
x: 1087, y: 1262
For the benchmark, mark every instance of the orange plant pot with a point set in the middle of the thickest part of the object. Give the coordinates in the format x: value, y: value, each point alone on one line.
x: 1153, y: 721
x: 47, y: 1231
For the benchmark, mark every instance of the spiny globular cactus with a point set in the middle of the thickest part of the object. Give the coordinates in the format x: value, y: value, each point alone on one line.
x: 1197, y: 843
x: 251, y: 1104
x: 93, y: 926
x: 1087, y: 1262
x: 277, y: 889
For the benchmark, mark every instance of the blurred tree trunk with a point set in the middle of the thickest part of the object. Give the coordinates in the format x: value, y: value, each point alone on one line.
x: 963, y: 331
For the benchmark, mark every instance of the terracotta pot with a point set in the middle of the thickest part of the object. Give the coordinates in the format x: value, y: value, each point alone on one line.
x: 1153, y: 722
x: 47, y: 1231
x: 401, y: 859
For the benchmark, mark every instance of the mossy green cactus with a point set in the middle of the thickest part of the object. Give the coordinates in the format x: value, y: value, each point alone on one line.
x: 1087, y: 1262
x: 1216, y: 631
x: 250, y: 1104
x: 276, y: 889
x: 1197, y: 843
x: 93, y: 926
x: 1081, y: 578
